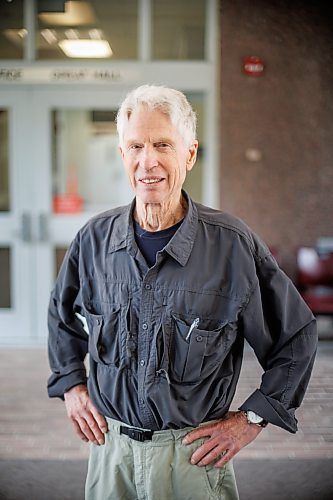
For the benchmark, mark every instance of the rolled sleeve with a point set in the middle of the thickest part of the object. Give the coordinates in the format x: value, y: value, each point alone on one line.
x: 281, y: 329
x: 58, y: 384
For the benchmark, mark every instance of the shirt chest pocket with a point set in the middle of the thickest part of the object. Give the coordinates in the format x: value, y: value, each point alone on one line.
x: 106, y: 336
x: 196, y: 352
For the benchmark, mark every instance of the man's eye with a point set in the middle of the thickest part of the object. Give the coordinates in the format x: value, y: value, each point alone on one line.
x: 162, y: 145
x: 134, y: 146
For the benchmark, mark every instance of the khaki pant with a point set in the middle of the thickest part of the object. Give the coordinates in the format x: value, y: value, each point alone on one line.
x: 160, y: 469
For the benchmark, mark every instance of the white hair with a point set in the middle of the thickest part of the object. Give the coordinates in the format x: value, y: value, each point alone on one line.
x: 157, y: 97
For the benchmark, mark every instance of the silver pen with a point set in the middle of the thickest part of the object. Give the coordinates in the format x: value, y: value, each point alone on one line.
x: 194, y: 325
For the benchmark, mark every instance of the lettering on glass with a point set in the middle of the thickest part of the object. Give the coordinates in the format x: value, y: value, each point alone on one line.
x: 10, y: 74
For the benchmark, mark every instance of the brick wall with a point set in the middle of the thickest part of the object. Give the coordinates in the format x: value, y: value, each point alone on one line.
x: 286, y: 114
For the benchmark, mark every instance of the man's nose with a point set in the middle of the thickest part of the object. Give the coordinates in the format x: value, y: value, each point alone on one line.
x: 148, y: 158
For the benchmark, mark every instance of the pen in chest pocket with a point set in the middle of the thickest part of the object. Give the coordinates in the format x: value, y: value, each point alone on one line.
x: 194, y: 325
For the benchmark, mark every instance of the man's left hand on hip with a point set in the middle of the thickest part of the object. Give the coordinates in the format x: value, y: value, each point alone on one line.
x: 227, y: 437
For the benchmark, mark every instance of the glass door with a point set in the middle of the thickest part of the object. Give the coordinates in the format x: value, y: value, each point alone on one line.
x: 80, y: 170
x: 16, y: 223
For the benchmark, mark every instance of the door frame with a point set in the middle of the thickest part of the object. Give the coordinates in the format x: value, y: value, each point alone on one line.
x: 16, y: 226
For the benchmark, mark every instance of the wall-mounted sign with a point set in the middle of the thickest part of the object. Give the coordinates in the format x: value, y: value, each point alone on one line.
x: 23, y: 74
x: 253, y: 66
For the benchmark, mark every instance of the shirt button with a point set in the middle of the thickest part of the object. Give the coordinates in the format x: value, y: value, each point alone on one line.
x: 142, y: 362
x: 101, y: 349
x: 145, y: 326
x: 147, y: 286
x: 198, y: 338
x: 142, y: 401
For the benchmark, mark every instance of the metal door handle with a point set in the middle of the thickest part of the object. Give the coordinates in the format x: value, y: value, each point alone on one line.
x: 26, y: 227
x: 43, y: 228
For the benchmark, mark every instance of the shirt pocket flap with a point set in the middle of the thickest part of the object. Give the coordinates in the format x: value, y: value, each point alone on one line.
x: 105, y: 333
x: 199, y: 346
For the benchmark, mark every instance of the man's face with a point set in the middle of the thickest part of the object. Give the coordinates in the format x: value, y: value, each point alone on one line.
x: 155, y: 156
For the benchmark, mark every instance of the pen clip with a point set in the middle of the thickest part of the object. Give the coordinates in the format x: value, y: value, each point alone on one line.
x: 194, y: 325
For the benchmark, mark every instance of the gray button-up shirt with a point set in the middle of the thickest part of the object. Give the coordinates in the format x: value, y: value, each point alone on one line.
x: 165, y: 343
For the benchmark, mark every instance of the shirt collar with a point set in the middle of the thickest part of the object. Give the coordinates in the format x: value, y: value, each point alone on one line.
x: 120, y: 229
x: 180, y: 245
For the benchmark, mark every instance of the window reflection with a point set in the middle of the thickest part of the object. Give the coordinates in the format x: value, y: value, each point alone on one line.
x: 5, y: 288
x: 179, y: 29
x: 4, y: 170
x: 194, y: 180
x: 12, y: 32
x: 88, y: 173
x: 111, y: 22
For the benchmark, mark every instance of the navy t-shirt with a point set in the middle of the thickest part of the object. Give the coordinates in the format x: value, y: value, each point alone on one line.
x: 151, y: 242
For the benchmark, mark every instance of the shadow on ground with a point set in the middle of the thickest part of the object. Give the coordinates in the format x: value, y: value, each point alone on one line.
x: 265, y: 479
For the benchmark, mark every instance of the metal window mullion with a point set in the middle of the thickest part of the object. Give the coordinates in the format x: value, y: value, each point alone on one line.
x: 211, y: 31
x: 145, y: 29
x: 212, y: 127
x: 29, y: 20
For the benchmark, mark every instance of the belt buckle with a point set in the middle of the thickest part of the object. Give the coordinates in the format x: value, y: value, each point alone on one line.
x: 136, y: 434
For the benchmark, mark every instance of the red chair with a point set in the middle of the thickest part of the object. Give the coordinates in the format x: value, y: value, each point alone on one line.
x: 315, y: 279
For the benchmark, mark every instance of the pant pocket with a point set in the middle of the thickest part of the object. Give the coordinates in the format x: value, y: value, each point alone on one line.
x: 191, y: 481
x: 214, y: 478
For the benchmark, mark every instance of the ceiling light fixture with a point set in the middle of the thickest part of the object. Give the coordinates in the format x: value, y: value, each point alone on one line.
x: 86, y: 48
x: 49, y: 36
x: 15, y: 36
x: 96, y: 34
x: 22, y: 33
x: 72, y: 34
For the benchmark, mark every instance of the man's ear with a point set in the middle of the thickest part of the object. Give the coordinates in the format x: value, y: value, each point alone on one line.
x: 192, y: 155
x: 121, y: 151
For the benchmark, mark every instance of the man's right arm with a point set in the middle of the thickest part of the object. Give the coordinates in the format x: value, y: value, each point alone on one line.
x: 67, y: 347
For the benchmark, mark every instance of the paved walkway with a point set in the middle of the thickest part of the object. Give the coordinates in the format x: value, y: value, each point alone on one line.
x: 34, y: 427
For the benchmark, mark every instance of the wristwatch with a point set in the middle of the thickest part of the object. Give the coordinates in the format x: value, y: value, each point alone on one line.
x: 254, y: 418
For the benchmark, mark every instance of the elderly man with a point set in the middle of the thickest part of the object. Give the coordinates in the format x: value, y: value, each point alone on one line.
x: 170, y: 289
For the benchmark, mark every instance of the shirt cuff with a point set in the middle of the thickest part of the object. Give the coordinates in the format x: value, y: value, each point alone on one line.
x: 270, y: 410
x: 59, y: 384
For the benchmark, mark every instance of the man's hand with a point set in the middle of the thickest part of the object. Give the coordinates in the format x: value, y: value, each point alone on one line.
x: 89, y: 424
x: 228, y: 435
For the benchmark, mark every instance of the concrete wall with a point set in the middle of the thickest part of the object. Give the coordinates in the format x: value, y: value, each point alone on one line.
x: 286, y: 114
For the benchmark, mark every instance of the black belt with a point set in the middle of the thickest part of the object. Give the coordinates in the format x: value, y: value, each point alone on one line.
x: 136, y: 434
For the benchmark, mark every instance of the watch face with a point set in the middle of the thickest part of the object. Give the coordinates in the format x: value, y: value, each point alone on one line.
x: 254, y: 418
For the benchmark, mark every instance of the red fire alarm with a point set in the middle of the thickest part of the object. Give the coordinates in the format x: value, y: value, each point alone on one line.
x: 253, y: 65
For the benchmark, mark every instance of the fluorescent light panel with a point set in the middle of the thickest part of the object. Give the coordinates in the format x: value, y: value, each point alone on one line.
x: 86, y: 48
x: 50, y: 36
x: 15, y: 36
